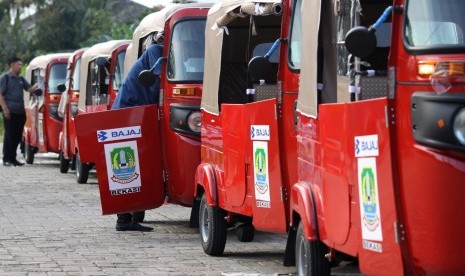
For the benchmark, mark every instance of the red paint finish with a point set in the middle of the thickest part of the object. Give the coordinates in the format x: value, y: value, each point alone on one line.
x: 151, y: 193
x: 39, y: 120
x: 177, y: 154
x: 68, y: 143
x: 236, y: 162
x: 181, y: 152
x: 430, y: 181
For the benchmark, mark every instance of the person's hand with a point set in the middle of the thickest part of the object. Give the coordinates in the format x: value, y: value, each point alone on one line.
x: 6, y: 113
x: 34, y: 87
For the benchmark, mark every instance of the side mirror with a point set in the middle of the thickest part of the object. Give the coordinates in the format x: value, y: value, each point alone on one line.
x: 259, y: 68
x: 147, y: 78
x: 38, y: 92
x: 361, y: 41
x: 61, y: 87
x: 101, y: 61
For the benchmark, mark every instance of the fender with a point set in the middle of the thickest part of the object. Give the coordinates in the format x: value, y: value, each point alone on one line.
x: 205, y: 177
x: 302, y: 208
x: 303, y: 204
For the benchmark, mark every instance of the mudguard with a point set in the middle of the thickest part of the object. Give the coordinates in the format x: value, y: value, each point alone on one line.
x: 206, y: 178
x: 303, y: 204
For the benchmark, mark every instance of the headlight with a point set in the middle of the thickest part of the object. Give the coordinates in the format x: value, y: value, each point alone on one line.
x: 194, y: 121
x: 459, y: 126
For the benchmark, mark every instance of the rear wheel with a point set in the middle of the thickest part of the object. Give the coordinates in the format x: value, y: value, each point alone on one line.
x: 64, y: 163
x: 82, y: 171
x: 28, y: 153
x: 245, y: 232
x: 213, y: 228
x: 310, y: 256
x: 72, y: 166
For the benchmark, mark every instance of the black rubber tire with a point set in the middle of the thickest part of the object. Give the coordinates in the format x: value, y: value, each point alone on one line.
x: 64, y: 163
x: 194, y: 218
x: 213, y: 228
x: 82, y: 171
x: 72, y: 165
x: 29, y: 153
x: 310, y: 256
x: 245, y: 232
x: 138, y: 216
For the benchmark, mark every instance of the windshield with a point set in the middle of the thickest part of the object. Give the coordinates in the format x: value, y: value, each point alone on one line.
x: 295, y: 39
x: 186, y: 55
x: 119, y: 71
x: 57, y: 76
x: 435, y: 24
x: 76, y: 80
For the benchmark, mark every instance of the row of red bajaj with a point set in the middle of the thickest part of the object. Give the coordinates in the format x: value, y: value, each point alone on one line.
x: 340, y: 124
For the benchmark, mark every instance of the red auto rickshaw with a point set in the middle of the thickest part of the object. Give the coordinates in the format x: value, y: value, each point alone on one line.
x: 247, y: 163
x: 101, y: 75
x: 67, y: 109
x: 164, y: 139
x: 43, y: 125
x: 381, y: 176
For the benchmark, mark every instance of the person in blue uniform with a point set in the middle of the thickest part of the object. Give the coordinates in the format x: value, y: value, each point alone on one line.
x: 133, y: 93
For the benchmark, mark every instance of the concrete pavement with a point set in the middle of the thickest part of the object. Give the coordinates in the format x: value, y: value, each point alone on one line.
x: 50, y: 225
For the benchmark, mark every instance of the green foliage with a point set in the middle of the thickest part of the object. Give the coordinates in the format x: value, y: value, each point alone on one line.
x: 59, y: 26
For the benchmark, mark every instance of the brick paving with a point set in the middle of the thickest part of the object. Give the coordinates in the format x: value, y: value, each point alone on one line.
x: 50, y: 225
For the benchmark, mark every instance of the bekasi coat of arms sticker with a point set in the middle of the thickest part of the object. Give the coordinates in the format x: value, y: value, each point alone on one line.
x: 123, y: 169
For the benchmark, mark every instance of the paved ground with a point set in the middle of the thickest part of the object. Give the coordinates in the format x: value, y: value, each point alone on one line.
x: 50, y: 225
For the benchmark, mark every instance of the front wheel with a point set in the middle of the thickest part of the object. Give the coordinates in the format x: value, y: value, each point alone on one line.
x: 245, y: 232
x: 213, y: 228
x: 82, y: 171
x: 310, y: 256
x: 64, y: 163
x: 29, y: 153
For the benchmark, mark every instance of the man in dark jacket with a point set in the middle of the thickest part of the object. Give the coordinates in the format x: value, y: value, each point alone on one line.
x: 14, y: 115
x: 133, y: 93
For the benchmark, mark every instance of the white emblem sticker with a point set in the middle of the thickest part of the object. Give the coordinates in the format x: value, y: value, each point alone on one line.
x: 261, y: 175
x: 366, y: 146
x: 113, y: 134
x: 260, y: 132
x: 370, y: 216
x: 122, y: 160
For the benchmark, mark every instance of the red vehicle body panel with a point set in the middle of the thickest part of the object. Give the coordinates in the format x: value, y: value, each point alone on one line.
x: 177, y: 153
x: 151, y: 194
x: 68, y: 141
x: 419, y: 187
x: 429, y: 180
x: 41, y: 130
x: 181, y: 153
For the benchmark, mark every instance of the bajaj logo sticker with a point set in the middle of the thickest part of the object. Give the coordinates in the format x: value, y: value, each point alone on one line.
x: 107, y: 135
x: 369, y: 200
x: 122, y: 160
x: 260, y: 132
x: 261, y: 175
x: 366, y: 146
x: 102, y: 135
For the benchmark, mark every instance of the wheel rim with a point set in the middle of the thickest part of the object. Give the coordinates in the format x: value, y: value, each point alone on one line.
x: 302, y: 258
x: 78, y: 166
x: 204, y: 223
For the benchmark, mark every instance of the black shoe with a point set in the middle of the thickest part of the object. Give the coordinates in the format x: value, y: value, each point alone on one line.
x: 8, y: 164
x: 17, y: 163
x: 132, y: 226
